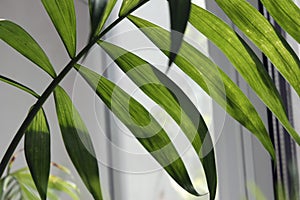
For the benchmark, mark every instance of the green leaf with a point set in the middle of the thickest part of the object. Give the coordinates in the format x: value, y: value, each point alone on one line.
x: 157, y: 86
x: 142, y: 125
x: 21, y: 41
x: 97, y: 8
x: 37, y: 152
x: 19, y: 86
x: 77, y: 142
x: 109, y: 7
x: 266, y: 38
x: 287, y: 15
x: 212, y: 80
x: 129, y: 5
x: 63, y: 16
x: 58, y: 184
x: 10, y: 189
x: 179, y: 14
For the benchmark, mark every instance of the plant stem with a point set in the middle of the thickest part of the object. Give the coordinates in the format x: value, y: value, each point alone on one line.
x: 37, y: 106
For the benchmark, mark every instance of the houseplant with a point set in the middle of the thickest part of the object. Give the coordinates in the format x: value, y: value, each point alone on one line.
x: 200, y: 68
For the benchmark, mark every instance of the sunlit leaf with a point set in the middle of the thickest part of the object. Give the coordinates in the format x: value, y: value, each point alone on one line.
x: 129, y: 5
x: 19, y: 86
x: 179, y: 14
x: 77, y: 142
x: 21, y: 41
x: 97, y: 8
x: 142, y: 125
x: 266, y: 38
x: 63, y: 16
x: 287, y: 14
x: 56, y: 186
x: 37, y: 152
x: 212, y: 80
x: 157, y: 86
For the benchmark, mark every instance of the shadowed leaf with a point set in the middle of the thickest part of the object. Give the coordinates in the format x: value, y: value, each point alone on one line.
x: 77, y: 142
x: 37, y: 152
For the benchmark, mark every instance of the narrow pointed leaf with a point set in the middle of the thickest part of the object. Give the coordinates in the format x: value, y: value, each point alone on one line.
x: 63, y: 16
x: 109, y: 7
x: 58, y: 184
x: 266, y: 38
x: 129, y: 5
x: 37, y: 152
x: 97, y: 8
x: 156, y: 85
x: 243, y: 59
x: 77, y: 142
x: 212, y: 80
x: 179, y: 14
x: 287, y: 15
x: 19, y: 86
x: 10, y: 189
x: 142, y: 125
x: 21, y: 41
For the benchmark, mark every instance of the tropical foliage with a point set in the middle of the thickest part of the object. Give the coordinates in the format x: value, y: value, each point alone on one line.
x: 203, y: 71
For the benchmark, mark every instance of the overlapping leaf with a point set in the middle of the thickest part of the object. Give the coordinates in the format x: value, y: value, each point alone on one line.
x: 77, y: 142
x: 37, y: 152
x: 142, y: 125
x: 63, y: 16
x: 157, y: 86
x: 21, y: 41
x: 243, y: 58
x: 179, y: 14
x: 266, y: 38
x: 10, y: 189
x: 109, y: 7
x: 97, y: 8
x: 287, y: 14
x: 129, y: 5
x: 56, y: 185
x: 212, y: 80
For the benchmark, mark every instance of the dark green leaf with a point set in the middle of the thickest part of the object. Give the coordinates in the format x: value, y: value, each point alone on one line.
x: 212, y: 80
x: 109, y: 7
x: 77, y: 142
x: 142, y: 125
x: 18, y: 85
x: 37, y: 152
x: 287, y: 14
x: 179, y: 14
x: 266, y: 38
x: 157, y: 86
x: 20, y: 40
x: 97, y: 8
x: 63, y: 16
x: 129, y: 5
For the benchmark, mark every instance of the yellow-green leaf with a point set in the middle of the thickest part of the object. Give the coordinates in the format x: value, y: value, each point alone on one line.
x: 266, y: 38
x: 37, y: 152
x: 77, y: 142
x: 129, y: 5
x: 21, y: 41
x: 63, y: 16
x: 109, y: 7
x: 287, y: 15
